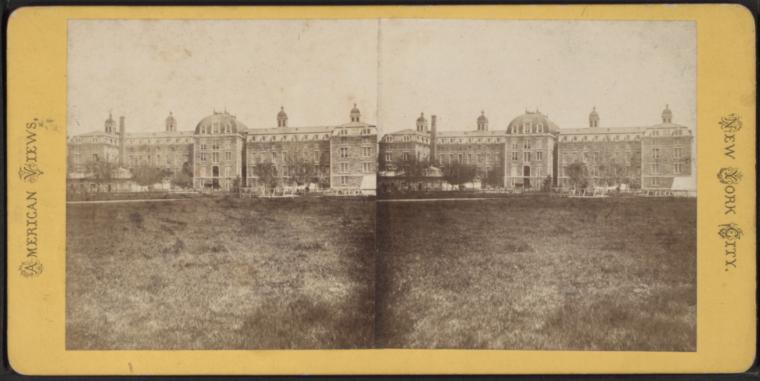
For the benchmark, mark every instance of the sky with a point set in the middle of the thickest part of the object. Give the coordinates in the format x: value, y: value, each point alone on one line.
x: 455, y: 69
x: 143, y: 69
x: 393, y: 69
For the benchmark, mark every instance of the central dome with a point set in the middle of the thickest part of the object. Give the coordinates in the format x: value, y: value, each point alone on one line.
x: 532, y: 122
x: 219, y: 123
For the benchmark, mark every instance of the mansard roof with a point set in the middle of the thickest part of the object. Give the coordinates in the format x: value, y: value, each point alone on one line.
x: 356, y: 124
x: 532, y: 118
x: 159, y: 134
x: 221, y: 120
x: 97, y: 133
x: 470, y: 133
x: 289, y: 130
x: 409, y: 131
x: 601, y: 130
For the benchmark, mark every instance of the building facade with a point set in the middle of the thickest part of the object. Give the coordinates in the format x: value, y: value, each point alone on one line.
x: 223, y: 154
x: 533, y: 152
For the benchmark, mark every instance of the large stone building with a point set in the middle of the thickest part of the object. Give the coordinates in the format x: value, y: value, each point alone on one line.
x: 222, y: 153
x: 533, y: 151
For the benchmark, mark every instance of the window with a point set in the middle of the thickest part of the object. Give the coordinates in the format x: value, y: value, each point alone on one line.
x: 526, y: 145
x: 316, y: 156
x: 227, y: 171
x: 655, y: 168
x: 515, y: 156
x: 228, y: 156
x: 204, y: 156
x: 343, y: 167
x: 343, y: 152
x: 677, y: 153
x: 343, y: 180
x: 539, y: 155
x: 366, y: 151
x: 215, y: 146
x: 203, y: 147
x: 387, y: 157
x: 677, y: 168
x: 655, y: 153
x: 366, y: 167
x: 526, y: 156
x: 215, y: 157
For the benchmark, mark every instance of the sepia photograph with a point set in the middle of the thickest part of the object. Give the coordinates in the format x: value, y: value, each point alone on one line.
x: 221, y: 177
x: 381, y: 183
x: 537, y: 185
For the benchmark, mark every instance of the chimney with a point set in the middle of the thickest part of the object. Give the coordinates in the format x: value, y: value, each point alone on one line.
x: 122, y: 139
x: 433, y: 132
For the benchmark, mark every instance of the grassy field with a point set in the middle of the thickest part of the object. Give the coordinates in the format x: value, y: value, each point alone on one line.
x: 220, y: 273
x: 537, y: 273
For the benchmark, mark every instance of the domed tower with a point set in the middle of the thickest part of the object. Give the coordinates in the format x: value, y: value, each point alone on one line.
x: 422, y: 123
x: 282, y: 118
x: 355, y: 114
x: 667, y: 115
x: 593, y: 118
x: 171, y: 123
x: 110, y: 124
x: 482, y: 122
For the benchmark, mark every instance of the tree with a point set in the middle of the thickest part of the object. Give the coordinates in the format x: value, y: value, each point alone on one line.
x: 267, y: 174
x: 614, y: 173
x: 323, y: 172
x: 184, y: 177
x: 412, y: 167
x: 301, y: 170
x: 578, y: 174
x: 495, y: 177
x: 547, y: 185
x: 100, y: 170
x: 459, y: 174
x: 148, y: 175
x: 633, y: 175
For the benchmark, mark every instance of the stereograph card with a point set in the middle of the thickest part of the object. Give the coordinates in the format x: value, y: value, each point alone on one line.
x: 381, y: 190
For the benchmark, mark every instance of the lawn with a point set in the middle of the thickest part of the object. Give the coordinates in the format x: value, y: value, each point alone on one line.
x: 220, y: 273
x: 544, y: 273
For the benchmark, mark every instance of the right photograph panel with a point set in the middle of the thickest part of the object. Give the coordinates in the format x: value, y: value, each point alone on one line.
x: 536, y: 185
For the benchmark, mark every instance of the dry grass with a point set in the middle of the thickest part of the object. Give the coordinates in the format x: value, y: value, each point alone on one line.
x: 220, y: 274
x: 538, y: 273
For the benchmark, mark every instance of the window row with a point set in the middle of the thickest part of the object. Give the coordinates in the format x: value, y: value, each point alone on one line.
x: 204, y: 156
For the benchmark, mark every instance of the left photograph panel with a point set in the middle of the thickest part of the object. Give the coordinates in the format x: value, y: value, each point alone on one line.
x: 220, y: 184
